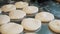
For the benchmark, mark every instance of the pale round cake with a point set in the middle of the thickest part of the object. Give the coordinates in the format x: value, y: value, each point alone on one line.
x: 17, y: 14
x: 4, y: 19
x: 30, y: 9
x: 31, y: 24
x: 8, y: 8
x: 44, y: 16
x: 21, y: 4
x: 55, y: 26
x: 11, y: 28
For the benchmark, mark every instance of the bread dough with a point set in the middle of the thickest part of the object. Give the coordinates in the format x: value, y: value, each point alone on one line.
x: 17, y: 14
x: 21, y: 4
x: 55, y: 26
x: 7, y: 8
x: 44, y: 16
x: 31, y: 24
x: 31, y: 9
x: 4, y: 19
x: 11, y: 28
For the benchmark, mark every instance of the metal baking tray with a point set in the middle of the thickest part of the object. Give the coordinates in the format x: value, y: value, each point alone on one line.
x: 44, y: 7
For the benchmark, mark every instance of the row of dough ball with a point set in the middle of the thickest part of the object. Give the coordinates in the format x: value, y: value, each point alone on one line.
x: 42, y: 16
x: 13, y: 28
x: 9, y: 7
x: 32, y: 24
x: 4, y: 19
x: 54, y: 24
x: 27, y: 9
x: 18, y: 14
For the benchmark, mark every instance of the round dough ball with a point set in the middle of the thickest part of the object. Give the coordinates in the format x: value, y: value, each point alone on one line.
x: 11, y: 28
x: 55, y: 26
x: 21, y: 4
x: 44, y: 16
x: 9, y: 7
x: 31, y: 9
x: 4, y: 19
x: 31, y: 24
x: 17, y: 14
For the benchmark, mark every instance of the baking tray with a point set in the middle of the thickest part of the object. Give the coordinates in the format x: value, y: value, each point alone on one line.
x: 45, y: 28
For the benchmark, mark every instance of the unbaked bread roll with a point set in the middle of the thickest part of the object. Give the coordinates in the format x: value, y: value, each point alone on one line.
x: 4, y: 19
x: 9, y: 7
x: 11, y: 28
x: 17, y: 14
x: 44, y: 16
x: 31, y: 9
x: 55, y: 26
x: 31, y: 24
x: 21, y: 4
